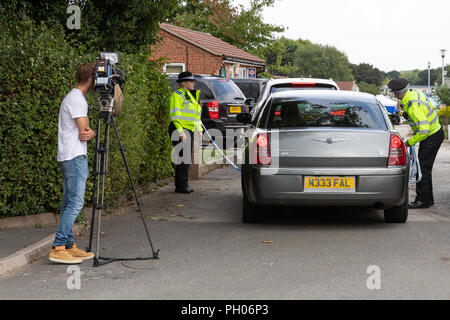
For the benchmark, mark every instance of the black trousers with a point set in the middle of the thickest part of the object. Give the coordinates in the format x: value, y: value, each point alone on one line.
x: 427, y: 154
x: 181, y: 170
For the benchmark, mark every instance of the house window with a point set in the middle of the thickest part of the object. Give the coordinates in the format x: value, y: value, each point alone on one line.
x: 243, y: 73
x: 174, y: 68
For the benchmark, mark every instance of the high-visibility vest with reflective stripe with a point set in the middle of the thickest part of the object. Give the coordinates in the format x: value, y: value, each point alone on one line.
x: 423, y: 118
x: 185, y: 110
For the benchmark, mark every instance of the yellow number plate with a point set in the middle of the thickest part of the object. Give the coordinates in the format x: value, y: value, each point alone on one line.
x: 235, y: 109
x: 329, y: 184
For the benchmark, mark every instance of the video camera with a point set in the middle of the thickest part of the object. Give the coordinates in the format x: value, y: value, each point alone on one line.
x: 108, y: 81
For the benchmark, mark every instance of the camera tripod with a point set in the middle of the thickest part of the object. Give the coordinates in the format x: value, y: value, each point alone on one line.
x: 99, y: 171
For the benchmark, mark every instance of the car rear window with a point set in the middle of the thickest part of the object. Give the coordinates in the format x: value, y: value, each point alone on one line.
x: 226, y: 90
x: 302, y: 86
x: 319, y: 113
x: 205, y: 91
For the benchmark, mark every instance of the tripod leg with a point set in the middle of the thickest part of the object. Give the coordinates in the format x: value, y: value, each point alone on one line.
x: 103, y: 168
x: 155, y: 254
x: 95, y: 193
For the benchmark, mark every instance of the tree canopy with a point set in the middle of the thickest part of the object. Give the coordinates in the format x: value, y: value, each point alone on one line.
x: 119, y: 25
x: 320, y: 61
x: 241, y: 27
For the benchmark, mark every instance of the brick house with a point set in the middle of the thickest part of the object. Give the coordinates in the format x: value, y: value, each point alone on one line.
x: 200, y: 52
x: 348, y: 85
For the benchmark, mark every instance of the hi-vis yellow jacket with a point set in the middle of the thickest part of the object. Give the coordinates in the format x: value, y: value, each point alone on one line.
x: 423, y: 118
x: 185, y: 110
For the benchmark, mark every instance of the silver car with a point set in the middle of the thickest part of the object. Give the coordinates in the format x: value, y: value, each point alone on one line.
x: 324, y: 148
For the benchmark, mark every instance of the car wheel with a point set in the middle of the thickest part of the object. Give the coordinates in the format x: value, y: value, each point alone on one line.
x: 397, y: 214
x: 249, y: 211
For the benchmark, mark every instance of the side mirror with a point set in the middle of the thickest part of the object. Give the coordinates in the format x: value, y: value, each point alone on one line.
x: 249, y: 101
x: 245, y: 118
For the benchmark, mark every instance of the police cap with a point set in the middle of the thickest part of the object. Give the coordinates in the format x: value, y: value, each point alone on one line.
x: 185, y: 76
x: 398, y: 84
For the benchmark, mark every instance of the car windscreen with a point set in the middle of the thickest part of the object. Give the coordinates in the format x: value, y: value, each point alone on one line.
x: 293, y: 113
x: 226, y: 90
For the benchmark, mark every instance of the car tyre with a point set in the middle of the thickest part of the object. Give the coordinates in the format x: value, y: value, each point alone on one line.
x: 249, y: 211
x: 397, y: 214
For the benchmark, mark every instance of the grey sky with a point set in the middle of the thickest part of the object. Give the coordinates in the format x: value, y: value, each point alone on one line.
x: 390, y: 34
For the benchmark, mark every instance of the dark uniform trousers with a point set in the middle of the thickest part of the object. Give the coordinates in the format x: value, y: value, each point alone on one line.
x: 181, y: 170
x: 427, y: 154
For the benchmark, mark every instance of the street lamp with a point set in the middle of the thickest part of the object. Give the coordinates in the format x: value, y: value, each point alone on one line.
x: 443, y: 74
x: 429, y: 66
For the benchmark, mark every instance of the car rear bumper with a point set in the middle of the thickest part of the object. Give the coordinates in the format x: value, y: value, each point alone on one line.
x: 381, y: 188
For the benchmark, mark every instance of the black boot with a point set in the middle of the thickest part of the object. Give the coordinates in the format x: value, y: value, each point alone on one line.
x: 419, y: 205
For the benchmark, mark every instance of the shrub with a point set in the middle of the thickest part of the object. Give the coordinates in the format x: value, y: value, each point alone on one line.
x: 37, y: 70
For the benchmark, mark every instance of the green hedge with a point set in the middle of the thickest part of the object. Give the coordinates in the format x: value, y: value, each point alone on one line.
x: 37, y: 69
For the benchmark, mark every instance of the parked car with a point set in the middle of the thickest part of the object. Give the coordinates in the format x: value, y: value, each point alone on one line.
x: 221, y: 101
x: 250, y: 87
x: 324, y: 148
x: 391, y: 108
x: 277, y: 85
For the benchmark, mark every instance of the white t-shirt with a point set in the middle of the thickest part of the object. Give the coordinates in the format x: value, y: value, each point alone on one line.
x: 73, y: 106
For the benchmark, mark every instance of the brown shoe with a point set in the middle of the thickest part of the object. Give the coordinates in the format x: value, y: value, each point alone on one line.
x: 80, y: 254
x: 61, y: 255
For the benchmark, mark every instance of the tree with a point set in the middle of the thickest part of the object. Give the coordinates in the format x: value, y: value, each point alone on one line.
x: 320, y: 61
x: 439, y: 74
x: 107, y: 25
x: 243, y: 28
x: 443, y: 92
x: 279, y: 56
x: 391, y: 74
x: 368, y: 88
x: 423, y: 77
x: 367, y: 73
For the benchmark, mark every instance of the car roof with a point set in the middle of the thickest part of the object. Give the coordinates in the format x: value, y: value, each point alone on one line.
x: 303, y: 80
x: 326, y: 94
x: 248, y: 79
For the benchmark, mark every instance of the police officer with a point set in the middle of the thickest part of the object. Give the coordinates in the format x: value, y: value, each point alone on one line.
x: 424, y: 121
x: 185, y: 118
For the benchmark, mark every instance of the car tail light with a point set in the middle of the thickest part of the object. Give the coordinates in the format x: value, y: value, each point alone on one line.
x: 262, y: 152
x: 339, y: 113
x: 303, y: 84
x: 213, y: 109
x: 277, y: 113
x: 397, y: 152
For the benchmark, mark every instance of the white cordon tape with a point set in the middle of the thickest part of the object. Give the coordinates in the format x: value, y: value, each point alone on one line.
x: 414, y: 166
x: 220, y: 150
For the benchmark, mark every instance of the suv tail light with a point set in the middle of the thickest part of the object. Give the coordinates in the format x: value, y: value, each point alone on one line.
x: 303, y: 84
x: 261, y: 155
x: 397, y: 152
x: 213, y: 109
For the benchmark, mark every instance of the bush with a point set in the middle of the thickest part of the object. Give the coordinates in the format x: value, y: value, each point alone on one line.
x: 37, y: 70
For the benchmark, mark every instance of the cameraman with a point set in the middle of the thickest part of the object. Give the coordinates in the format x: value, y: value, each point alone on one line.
x: 73, y: 134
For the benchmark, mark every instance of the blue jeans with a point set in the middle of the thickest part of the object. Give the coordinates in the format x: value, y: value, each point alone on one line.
x: 75, y: 173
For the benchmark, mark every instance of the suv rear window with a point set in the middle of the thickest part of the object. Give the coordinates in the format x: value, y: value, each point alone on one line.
x: 226, y: 90
x: 317, y: 113
x: 302, y: 86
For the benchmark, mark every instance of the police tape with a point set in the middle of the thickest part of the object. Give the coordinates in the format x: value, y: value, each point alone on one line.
x: 220, y: 150
x: 414, y: 166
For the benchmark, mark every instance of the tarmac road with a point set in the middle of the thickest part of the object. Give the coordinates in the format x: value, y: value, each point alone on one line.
x: 305, y: 253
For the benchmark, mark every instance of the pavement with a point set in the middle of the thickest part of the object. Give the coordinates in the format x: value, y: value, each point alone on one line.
x: 206, y: 252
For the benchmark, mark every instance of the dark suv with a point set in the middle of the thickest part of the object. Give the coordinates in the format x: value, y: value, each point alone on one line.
x: 221, y: 101
x: 251, y: 88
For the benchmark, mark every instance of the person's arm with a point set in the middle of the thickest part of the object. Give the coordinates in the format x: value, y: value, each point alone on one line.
x: 85, y: 133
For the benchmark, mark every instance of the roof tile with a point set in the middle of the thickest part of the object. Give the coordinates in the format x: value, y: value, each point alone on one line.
x: 206, y: 40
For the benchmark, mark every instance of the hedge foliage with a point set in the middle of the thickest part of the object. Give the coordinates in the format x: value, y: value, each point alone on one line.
x: 37, y: 69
